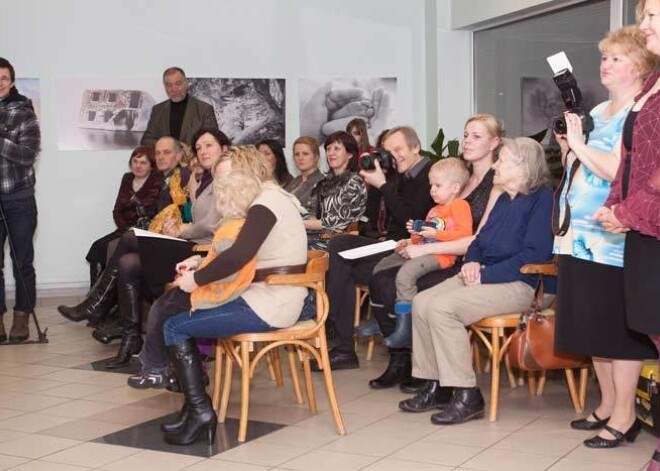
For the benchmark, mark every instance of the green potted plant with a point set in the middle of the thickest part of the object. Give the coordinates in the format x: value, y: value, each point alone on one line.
x: 440, y: 149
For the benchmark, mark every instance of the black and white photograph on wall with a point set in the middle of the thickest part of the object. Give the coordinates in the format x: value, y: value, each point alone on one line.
x: 105, y: 114
x: 541, y: 102
x: 247, y: 110
x: 29, y: 87
x: 328, y: 104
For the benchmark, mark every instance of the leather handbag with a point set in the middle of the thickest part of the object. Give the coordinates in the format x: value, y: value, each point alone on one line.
x: 531, y: 346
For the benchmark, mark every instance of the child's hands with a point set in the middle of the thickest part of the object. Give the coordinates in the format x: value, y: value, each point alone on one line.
x: 186, y: 281
x: 427, y: 233
x: 189, y: 264
x: 400, y: 248
x: 409, y: 226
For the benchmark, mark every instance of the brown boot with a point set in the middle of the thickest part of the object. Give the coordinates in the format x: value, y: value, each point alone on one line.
x: 19, y: 329
x: 3, y: 332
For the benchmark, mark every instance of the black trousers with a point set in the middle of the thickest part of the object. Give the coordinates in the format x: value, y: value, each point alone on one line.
x: 153, y: 356
x: 342, y: 277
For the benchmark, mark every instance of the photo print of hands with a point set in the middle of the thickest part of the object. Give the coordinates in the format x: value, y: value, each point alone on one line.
x: 327, y: 105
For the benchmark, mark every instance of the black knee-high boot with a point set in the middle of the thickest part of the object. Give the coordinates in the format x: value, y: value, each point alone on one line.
x: 95, y: 271
x: 201, y: 419
x: 99, y: 300
x: 129, y: 307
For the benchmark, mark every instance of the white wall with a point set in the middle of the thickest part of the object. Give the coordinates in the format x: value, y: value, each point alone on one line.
x: 454, y: 72
x: 470, y: 13
x: 228, y: 38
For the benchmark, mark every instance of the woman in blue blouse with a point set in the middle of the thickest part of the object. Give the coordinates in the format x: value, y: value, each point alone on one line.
x: 516, y: 232
x: 591, y: 314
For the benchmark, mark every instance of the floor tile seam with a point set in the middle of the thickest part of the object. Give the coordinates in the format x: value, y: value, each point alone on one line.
x: 220, y: 458
x: 408, y: 443
x: 41, y: 414
x: 79, y: 442
x: 320, y: 448
x: 435, y: 463
x: 501, y: 449
x: 137, y: 450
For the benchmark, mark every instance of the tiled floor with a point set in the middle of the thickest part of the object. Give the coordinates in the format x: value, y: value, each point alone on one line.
x: 53, y: 417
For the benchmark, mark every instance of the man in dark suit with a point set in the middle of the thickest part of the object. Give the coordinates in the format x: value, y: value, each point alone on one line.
x: 181, y: 116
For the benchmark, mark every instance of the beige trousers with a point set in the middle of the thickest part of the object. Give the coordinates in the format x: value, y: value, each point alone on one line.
x: 441, y: 349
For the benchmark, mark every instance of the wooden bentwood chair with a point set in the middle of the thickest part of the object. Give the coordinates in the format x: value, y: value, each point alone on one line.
x: 306, y: 338
x: 498, y: 350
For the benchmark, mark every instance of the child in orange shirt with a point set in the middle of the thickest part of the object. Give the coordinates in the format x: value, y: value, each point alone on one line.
x: 450, y: 219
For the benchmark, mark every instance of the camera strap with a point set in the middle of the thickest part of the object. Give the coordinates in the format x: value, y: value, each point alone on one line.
x: 563, y: 229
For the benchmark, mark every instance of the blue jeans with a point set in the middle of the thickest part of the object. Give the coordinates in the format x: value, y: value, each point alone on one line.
x: 20, y: 216
x: 235, y: 317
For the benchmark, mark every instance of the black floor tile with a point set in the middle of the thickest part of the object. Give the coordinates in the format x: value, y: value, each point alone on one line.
x: 149, y: 437
x: 133, y: 367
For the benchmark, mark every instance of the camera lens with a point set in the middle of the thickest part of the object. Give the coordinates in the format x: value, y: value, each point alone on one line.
x: 559, y: 126
x: 367, y: 162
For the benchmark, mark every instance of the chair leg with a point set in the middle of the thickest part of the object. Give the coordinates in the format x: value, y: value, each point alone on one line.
x: 370, y: 347
x: 217, y: 376
x: 541, y: 385
x: 295, y: 379
x: 509, y: 372
x: 531, y: 380
x: 309, y: 384
x: 245, y: 392
x: 495, y: 373
x: 372, y: 339
x: 358, y: 306
x: 226, y: 388
x: 277, y: 366
x: 476, y: 357
x: 271, y: 368
x: 584, y: 382
x: 330, y: 385
x: 570, y: 379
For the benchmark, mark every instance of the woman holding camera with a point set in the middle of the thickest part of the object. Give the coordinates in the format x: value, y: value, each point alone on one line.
x: 591, y: 311
x: 340, y: 198
x: 633, y: 206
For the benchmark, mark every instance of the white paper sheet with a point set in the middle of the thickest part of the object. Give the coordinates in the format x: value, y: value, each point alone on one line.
x: 155, y: 235
x: 367, y: 250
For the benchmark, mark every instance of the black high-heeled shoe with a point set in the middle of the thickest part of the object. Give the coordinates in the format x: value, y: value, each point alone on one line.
x: 584, y: 424
x: 630, y: 435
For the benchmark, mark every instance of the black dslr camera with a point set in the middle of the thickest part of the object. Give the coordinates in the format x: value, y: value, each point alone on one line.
x: 384, y: 158
x: 572, y: 97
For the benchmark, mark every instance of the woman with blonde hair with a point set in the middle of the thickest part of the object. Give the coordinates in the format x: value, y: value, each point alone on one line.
x: 591, y: 313
x: 633, y: 206
x: 306, y: 156
x: 481, y: 140
x: 273, y: 235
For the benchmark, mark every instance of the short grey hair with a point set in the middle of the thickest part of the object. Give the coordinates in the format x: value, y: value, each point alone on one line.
x: 530, y: 155
x: 173, y: 70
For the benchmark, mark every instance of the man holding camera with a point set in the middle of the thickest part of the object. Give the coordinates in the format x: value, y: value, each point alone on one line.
x: 19, y: 145
x: 406, y: 197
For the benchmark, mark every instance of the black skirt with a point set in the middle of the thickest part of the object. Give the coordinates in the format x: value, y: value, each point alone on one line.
x: 158, y: 259
x: 641, y: 277
x: 591, y: 313
x: 98, y: 252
